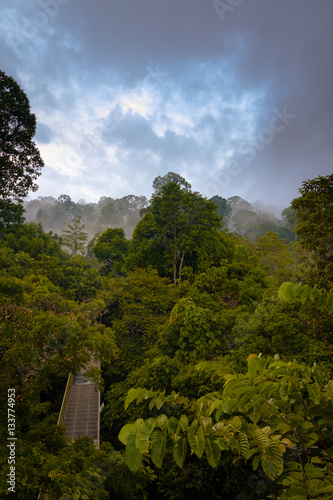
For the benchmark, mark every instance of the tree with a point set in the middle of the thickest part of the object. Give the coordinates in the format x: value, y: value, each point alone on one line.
x: 238, y: 203
x: 243, y: 219
x: 224, y: 209
x: 159, y: 182
x: 289, y: 218
x: 277, y: 255
x: 10, y: 213
x: 74, y: 237
x: 188, y: 335
x: 180, y: 229
x: 314, y: 214
x: 111, y: 248
x: 31, y: 239
x: 20, y: 160
x: 138, y: 305
x: 43, y: 333
x: 78, y: 280
x: 122, y: 212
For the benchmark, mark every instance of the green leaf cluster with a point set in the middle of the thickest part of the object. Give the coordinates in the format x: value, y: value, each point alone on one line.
x: 322, y: 299
x: 278, y: 411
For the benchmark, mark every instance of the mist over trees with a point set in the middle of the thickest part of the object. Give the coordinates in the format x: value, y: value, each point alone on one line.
x: 237, y: 214
x: 54, y: 214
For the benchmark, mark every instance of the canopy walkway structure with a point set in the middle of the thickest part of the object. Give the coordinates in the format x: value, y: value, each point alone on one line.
x: 80, y: 409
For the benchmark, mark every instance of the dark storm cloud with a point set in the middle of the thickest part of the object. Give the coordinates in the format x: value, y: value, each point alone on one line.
x: 129, y: 34
x: 226, y: 71
x: 130, y: 130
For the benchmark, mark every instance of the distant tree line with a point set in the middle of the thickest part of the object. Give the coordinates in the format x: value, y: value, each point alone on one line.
x: 237, y: 214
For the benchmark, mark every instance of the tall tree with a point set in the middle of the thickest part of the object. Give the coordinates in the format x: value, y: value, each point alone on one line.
x: 176, y: 230
x: 74, y: 237
x: 314, y: 214
x: 20, y: 160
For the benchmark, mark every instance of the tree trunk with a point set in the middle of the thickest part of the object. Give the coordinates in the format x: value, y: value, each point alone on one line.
x: 181, y: 264
x: 175, y: 269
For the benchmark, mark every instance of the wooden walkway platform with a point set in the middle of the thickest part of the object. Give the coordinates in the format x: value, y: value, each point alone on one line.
x: 80, y: 412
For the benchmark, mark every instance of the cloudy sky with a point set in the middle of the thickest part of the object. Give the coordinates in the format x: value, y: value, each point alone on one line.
x: 235, y: 95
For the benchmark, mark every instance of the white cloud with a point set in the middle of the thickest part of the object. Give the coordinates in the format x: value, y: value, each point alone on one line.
x: 112, y: 131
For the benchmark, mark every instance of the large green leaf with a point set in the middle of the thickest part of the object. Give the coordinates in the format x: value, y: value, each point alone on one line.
x: 142, y: 441
x: 162, y: 421
x: 133, y: 457
x: 229, y: 406
x: 314, y: 392
x: 272, y: 460
x: 261, y: 439
x: 318, y: 487
x: 217, y: 405
x: 183, y: 423
x: 233, y: 385
x: 172, y: 426
x: 259, y: 409
x: 132, y: 395
x: 313, y: 294
x: 252, y: 368
x: 285, y: 289
x: 160, y: 401
x: 196, y: 439
x: 129, y: 429
x: 322, y: 300
x: 296, y: 290
x: 212, y: 448
x: 179, y: 450
x: 158, y: 447
x: 125, y: 432
x: 240, y: 445
x: 295, y: 493
x: 305, y: 293
x: 236, y: 424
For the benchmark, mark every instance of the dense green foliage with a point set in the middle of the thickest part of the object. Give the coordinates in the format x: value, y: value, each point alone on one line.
x: 214, y: 418
x: 277, y: 412
x: 314, y: 216
x: 111, y: 248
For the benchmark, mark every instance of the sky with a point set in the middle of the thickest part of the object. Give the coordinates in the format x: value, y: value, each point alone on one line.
x: 234, y: 95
